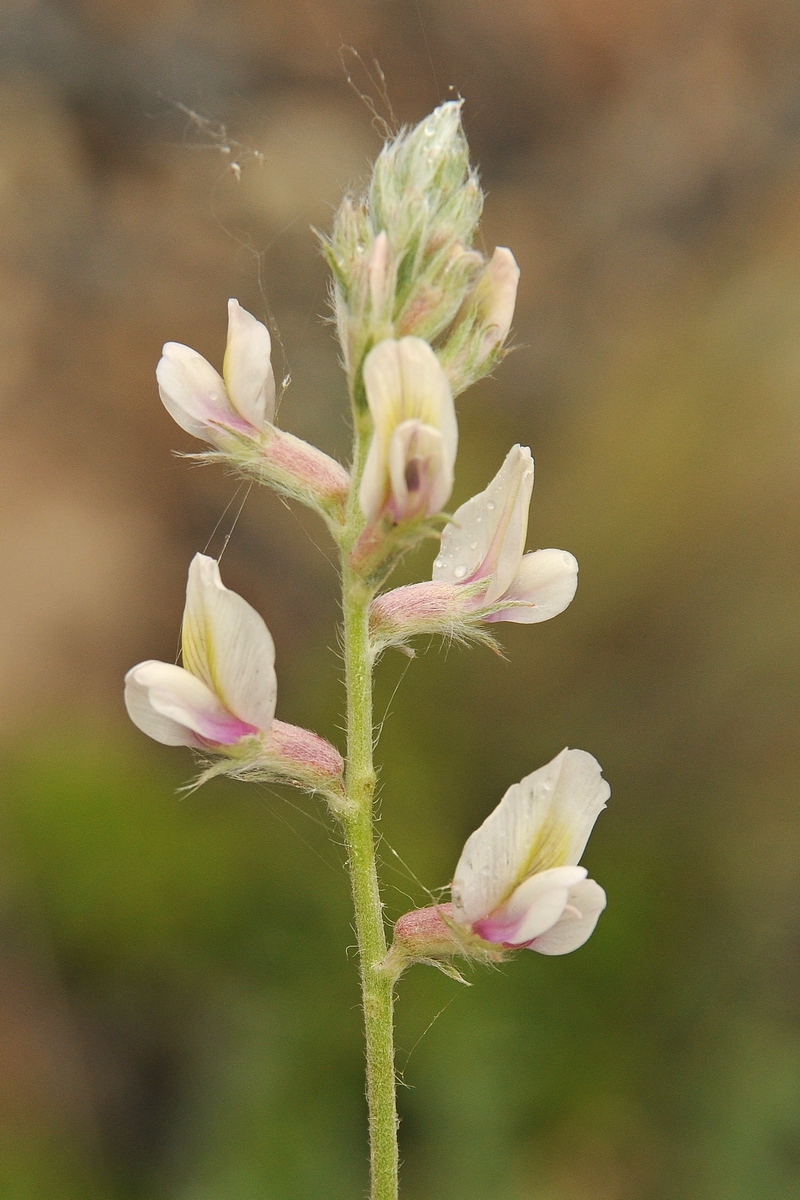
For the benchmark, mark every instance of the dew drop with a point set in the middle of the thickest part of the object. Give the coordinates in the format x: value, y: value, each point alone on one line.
x: 460, y: 571
x: 438, y: 563
x: 473, y: 545
x: 490, y: 505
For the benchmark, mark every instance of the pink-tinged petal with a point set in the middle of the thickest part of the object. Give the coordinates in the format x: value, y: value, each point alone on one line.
x: 585, y: 902
x: 499, y: 288
x: 247, y: 368
x: 227, y: 644
x: 404, y: 382
x: 545, y: 584
x: 486, y: 537
x: 194, y: 394
x: 543, y: 821
x: 531, y: 909
x: 176, y: 708
x: 421, y: 476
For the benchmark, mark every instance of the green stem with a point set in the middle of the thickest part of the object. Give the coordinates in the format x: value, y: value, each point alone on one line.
x: 376, y: 986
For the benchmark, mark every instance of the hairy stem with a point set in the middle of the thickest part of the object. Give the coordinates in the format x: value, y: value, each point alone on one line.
x: 376, y: 986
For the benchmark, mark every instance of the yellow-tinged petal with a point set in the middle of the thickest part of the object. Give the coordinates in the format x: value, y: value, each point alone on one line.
x: 226, y: 643
x: 543, y: 821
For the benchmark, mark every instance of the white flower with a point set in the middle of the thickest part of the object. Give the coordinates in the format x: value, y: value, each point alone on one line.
x: 481, y: 573
x: 206, y: 404
x: 222, y: 700
x: 409, y: 467
x: 234, y: 412
x: 486, y: 541
x: 226, y: 690
x: 517, y: 883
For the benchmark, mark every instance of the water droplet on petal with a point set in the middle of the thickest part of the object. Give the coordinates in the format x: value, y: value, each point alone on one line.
x: 490, y: 505
x: 438, y: 562
x: 460, y: 571
x: 473, y: 545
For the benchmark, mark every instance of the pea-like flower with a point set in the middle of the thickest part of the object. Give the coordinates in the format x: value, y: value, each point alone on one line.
x: 207, y: 404
x: 222, y: 700
x: 408, y: 473
x: 481, y: 573
x: 235, y: 411
x: 518, y: 884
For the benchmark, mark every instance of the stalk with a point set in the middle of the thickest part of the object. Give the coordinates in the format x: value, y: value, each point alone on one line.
x: 376, y: 986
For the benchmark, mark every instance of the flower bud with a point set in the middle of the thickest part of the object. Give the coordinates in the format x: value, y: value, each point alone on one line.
x: 474, y: 344
x: 422, y: 184
x: 377, y: 270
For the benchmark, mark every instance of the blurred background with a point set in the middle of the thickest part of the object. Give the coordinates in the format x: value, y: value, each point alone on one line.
x: 178, y: 994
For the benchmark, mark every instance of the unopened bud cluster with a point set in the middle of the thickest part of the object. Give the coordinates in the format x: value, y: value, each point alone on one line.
x: 404, y: 263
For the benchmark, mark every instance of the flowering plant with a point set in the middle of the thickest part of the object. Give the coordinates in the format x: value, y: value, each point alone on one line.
x: 421, y: 314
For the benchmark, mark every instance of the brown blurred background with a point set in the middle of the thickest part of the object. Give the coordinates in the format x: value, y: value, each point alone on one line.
x: 178, y: 1008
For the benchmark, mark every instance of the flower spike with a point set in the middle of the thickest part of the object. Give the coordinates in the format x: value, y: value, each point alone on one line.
x: 518, y: 884
x: 222, y: 701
